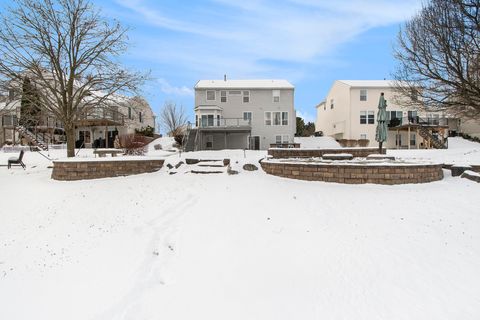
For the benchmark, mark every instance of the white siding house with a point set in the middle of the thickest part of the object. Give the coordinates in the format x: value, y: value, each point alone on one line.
x: 350, y: 108
x: 241, y: 114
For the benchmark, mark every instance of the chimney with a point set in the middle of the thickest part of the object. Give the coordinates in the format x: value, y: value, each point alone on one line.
x: 224, y: 77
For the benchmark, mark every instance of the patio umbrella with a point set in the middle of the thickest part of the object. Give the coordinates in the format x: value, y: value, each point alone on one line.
x: 381, y: 134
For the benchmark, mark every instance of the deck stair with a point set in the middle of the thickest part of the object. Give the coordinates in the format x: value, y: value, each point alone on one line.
x: 32, y: 137
x: 190, y: 140
x: 425, y: 134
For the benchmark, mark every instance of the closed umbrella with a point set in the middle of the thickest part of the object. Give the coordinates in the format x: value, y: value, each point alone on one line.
x: 381, y: 134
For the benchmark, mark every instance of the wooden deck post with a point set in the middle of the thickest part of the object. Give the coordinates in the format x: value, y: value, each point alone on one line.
x: 106, y: 136
x: 408, y: 138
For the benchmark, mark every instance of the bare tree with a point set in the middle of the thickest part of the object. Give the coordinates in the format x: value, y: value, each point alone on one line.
x: 438, y: 54
x: 173, y: 118
x: 69, y: 52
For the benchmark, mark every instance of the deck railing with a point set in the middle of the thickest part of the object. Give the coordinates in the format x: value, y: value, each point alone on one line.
x: 224, y: 122
x: 429, y: 121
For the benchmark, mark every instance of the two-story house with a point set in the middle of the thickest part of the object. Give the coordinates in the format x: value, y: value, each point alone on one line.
x: 349, y: 113
x: 242, y: 114
x: 97, y: 127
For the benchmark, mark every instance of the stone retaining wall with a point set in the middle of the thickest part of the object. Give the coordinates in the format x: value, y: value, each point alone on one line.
x: 280, y: 153
x: 356, y: 174
x: 80, y: 170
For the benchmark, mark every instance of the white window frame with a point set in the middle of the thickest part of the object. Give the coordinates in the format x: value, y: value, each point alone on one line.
x: 332, y: 103
x: 284, y: 138
x: 276, y: 96
x: 279, y: 118
x: 85, y: 133
x: 363, y: 96
x: 269, y: 118
x: 214, y: 95
x: 414, y: 140
x: 282, y: 119
x: 247, y: 95
x: 364, y: 115
x: 207, y: 115
x: 370, y: 115
x: 223, y: 95
x: 251, y: 116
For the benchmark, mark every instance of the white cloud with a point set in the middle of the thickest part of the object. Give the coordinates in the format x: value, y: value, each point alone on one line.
x: 168, y: 89
x: 257, y: 38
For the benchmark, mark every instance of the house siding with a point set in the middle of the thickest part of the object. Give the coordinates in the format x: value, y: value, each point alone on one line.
x: 261, y: 101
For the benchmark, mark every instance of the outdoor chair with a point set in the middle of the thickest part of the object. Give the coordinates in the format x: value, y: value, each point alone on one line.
x: 17, y: 161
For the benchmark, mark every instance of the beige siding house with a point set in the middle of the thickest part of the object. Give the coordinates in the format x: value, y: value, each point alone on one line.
x: 349, y: 112
x: 242, y: 114
x: 98, y: 128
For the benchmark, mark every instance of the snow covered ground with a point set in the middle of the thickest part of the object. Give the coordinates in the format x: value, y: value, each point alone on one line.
x: 248, y: 246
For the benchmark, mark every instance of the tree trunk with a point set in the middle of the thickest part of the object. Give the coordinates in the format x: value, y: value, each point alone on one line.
x: 70, y: 132
x: 380, y: 147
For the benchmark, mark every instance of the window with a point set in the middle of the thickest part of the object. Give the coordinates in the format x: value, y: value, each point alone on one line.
x: 207, y: 120
x: 247, y: 116
x: 363, y: 136
x: 218, y: 120
x: 140, y: 117
x: 246, y: 96
x: 394, y: 118
x: 363, y: 94
x: 398, y: 139
x: 363, y: 117
x: 394, y: 115
x: 209, y: 142
x: 412, y: 117
x: 196, y: 120
x: 284, y: 118
x: 276, y: 95
x: 331, y: 103
x: 413, y: 139
x: 371, y: 117
x: 276, y: 118
x: 84, y: 136
x: 223, y: 96
x: 268, y: 118
x: 367, y: 117
x: 210, y: 95
x: 281, y: 138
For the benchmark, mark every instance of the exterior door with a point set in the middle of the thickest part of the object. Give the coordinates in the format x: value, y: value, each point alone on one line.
x: 254, y: 143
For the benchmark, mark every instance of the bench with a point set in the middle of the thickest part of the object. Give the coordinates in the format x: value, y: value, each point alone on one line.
x: 285, y: 145
x: 103, y: 152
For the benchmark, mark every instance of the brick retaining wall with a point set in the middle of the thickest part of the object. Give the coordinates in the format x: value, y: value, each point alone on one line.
x: 80, y: 170
x: 281, y: 153
x: 356, y: 174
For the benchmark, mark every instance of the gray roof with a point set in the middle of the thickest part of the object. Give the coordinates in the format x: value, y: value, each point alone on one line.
x: 368, y: 83
x: 244, y: 84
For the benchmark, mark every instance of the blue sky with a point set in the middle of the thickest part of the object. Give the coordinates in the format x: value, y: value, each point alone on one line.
x: 311, y: 43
